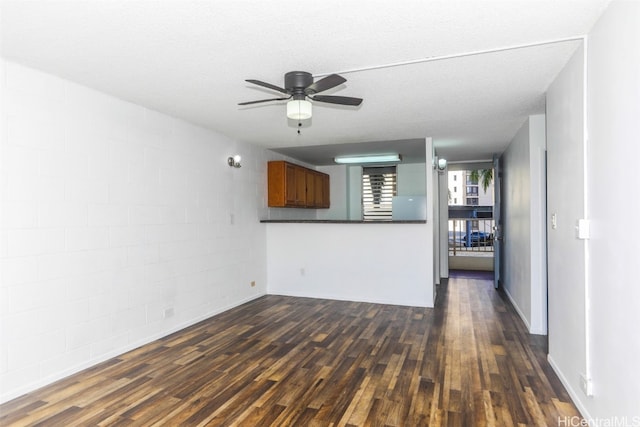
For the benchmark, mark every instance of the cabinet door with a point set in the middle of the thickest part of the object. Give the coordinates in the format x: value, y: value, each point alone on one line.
x: 326, y: 197
x: 291, y: 196
x: 300, y: 185
x: 312, y: 190
x: 318, y: 183
x: 276, y: 196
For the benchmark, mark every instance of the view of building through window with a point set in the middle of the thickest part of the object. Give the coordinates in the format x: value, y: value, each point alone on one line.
x: 471, y: 224
x: 470, y: 193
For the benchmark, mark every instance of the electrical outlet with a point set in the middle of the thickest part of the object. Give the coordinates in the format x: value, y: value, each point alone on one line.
x: 586, y: 385
x: 253, y: 283
x: 168, y: 312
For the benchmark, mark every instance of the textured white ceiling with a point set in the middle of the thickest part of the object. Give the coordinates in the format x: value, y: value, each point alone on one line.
x: 190, y: 58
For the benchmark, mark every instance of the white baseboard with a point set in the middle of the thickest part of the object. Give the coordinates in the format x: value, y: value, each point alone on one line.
x: 575, y: 396
x: 533, y: 331
x: 27, y: 388
x: 517, y: 308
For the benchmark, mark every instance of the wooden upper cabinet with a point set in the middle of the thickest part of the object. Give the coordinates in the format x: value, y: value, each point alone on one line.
x: 294, y: 186
x: 326, y: 196
x: 290, y: 188
x: 317, y: 189
x: 301, y: 186
x: 321, y: 188
x: 312, y: 189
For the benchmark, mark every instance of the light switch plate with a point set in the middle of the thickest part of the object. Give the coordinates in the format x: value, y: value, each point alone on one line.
x: 583, y: 229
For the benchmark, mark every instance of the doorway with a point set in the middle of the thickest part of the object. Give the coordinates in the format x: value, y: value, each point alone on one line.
x: 471, y: 238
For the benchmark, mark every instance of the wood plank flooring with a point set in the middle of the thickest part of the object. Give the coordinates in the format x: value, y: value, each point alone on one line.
x: 284, y: 361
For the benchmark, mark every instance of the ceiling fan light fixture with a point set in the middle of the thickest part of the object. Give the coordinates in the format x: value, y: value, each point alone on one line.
x: 299, y: 109
x: 373, y: 158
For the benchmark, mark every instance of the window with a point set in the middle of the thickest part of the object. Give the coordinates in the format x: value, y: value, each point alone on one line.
x: 472, y: 190
x: 455, y: 200
x: 455, y: 189
x: 455, y: 177
x: 378, y: 187
x: 472, y: 201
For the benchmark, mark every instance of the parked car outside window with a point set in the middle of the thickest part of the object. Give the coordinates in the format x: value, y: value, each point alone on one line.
x: 479, y: 238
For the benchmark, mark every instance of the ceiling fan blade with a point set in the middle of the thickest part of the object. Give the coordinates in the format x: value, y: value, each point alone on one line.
x: 263, y: 100
x: 342, y: 100
x: 328, y: 82
x: 267, y: 85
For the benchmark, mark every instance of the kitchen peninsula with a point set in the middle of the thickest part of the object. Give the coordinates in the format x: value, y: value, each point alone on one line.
x: 318, y: 246
x: 387, y: 262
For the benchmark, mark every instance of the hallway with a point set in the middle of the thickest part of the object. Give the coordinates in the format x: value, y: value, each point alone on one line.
x: 500, y: 362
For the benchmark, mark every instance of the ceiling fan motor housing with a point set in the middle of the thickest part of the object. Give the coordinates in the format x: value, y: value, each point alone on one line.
x: 299, y: 85
x: 297, y: 81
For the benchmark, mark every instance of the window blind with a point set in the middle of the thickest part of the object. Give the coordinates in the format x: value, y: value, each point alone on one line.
x: 378, y: 188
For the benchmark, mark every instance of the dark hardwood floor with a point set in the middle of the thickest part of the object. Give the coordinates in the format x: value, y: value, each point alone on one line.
x: 286, y: 361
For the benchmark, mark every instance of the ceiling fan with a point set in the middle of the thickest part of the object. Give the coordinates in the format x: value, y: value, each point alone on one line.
x: 298, y: 86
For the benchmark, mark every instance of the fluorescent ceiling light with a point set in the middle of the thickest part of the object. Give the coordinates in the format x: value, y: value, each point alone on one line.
x: 374, y: 158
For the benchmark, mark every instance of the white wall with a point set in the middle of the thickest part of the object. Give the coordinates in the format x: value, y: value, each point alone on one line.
x: 112, y: 214
x: 443, y: 229
x: 411, y: 179
x: 435, y: 222
x: 538, y: 225
x: 613, y: 127
x: 565, y: 199
x: 380, y: 263
x: 354, y: 192
x: 612, y: 292
x: 523, y: 205
x: 432, y: 255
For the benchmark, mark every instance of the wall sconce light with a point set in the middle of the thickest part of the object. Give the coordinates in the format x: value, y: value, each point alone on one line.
x: 234, y: 161
x: 439, y: 164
